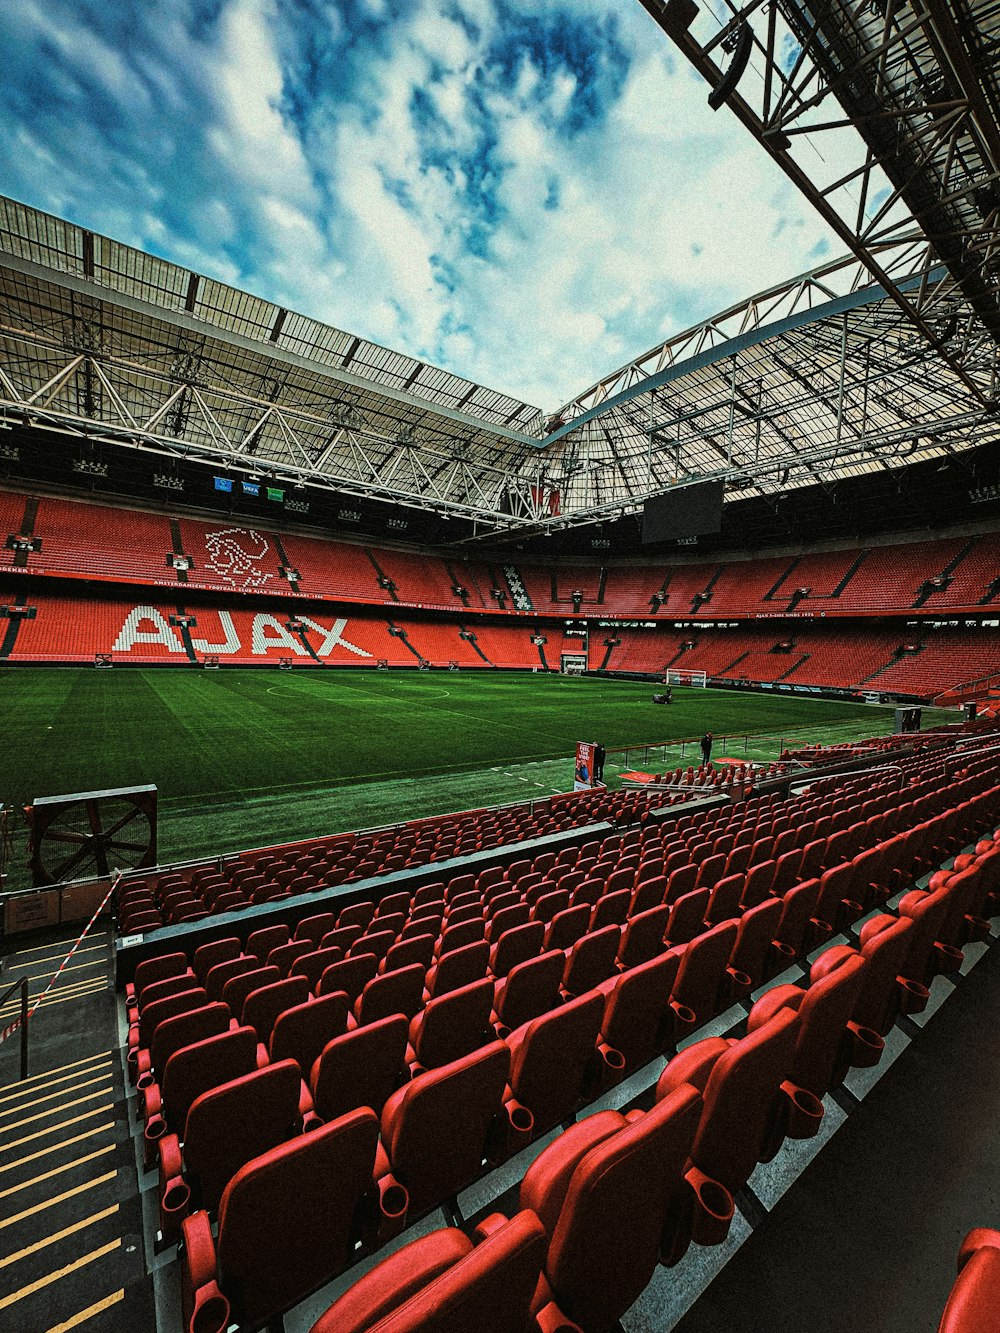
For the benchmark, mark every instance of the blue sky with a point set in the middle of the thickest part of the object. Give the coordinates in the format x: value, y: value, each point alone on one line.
x: 526, y: 192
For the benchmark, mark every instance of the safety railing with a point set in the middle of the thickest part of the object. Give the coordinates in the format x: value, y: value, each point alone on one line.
x: 19, y: 1023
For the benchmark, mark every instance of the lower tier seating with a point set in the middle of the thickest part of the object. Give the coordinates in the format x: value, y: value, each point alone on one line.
x: 263, y: 631
x: 614, y: 1194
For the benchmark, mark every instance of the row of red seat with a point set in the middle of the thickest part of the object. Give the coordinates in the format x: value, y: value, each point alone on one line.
x: 198, y: 891
x: 795, y: 1037
x: 115, y: 543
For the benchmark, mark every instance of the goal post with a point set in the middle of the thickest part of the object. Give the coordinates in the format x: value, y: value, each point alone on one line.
x: 676, y: 676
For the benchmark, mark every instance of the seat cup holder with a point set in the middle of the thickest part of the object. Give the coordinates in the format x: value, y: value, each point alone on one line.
x: 685, y: 1015
x: 394, y: 1202
x: 211, y: 1314
x: 867, y: 1046
x: 949, y: 958
x: 520, y: 1127
x: 713, y: 1209
x: 805, y: 1112
x: 977, y: 929
x: 741, y: 982
x: 174, y: 1205
x: 614, y: 1060
x: 913, y: 995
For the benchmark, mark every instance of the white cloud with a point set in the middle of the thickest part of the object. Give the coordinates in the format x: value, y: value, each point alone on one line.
x: 521, y: 209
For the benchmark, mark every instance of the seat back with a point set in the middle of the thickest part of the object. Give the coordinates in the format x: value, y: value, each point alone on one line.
x: 740, y: 1082
x: 458, y: 968
x: 635, y: 1009
x: 236, y: 989
x: 530, y: 989
x: 760, y: 877
x: 315, y: 927
x: 313, y: 965
x: 551, y: 1057
x: 642, y: 938
x: 611, y: 909
x: 435, y: 1130
x: 606, y: 1219
x: 262, y: 1007
x: 591, y: 960
x: 414, y: 949
x: 724, y: 901
x: 157, y: 1012
x: 287, y: 1218
x: 885, y: 941
x: 300, y: 1033
x: 216, y: 951
x: 508, y: 916
x: 161, y: 967
x: 205, y: 1064
x: 975, y: 1296
x: 796, y: 914
x: 360, y: 1068
x: 702, y: 977
x: 231, y: 1124
x: 687, y: 916
x: 515, y: 946
x: 461, y: 1287
x: 452, y: 1025
x: 824, y: 1014
x: 173, y: 1034
x: 754, y: 946
x: 566, y: 927
x: 350, y: 975
x: 399, y: 992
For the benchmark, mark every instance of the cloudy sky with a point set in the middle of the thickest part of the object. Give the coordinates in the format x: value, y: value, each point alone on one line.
x: 528, y: 192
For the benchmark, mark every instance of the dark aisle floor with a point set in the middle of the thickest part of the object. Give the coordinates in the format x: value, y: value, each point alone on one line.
x: 71, y: 1248
x: 868, y: 1236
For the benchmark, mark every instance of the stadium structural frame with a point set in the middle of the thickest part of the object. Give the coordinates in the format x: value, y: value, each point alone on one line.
x: 117, y: 348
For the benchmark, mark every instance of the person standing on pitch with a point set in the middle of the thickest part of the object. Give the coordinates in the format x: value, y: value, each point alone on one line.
x: 706, y: 748
x: 600, y: 754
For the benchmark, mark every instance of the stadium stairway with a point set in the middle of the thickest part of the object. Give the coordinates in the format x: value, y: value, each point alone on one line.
x: 70, y: 1215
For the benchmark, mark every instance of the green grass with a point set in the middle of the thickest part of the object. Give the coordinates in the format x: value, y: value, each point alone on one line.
x: 246, y: 758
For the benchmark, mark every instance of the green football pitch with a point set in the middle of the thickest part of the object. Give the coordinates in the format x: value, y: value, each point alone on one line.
x: 245, y: 758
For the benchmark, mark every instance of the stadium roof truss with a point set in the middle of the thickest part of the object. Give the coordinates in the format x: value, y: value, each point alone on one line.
x: 883, y: 114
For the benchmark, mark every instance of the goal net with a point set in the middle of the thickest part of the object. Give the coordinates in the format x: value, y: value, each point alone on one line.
x: 678, y: 677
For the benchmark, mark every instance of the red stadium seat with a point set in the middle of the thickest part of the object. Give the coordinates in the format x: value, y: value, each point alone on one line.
x: 286, y: 1223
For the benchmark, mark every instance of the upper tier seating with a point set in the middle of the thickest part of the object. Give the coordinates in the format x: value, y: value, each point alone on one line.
x: 238, y: 555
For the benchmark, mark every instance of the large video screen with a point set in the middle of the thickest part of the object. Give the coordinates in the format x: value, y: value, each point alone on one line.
x: 687, y: 511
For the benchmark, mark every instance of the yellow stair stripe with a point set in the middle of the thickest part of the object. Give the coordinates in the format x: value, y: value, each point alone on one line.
x: 16, y: 974
x: 57, y: 1170
x: 84, y: 1083
x: 40, y: 948
x: 49, y: 1278
x: 59, y: 996
x: 66, y: 1143
x: 52, y: 957
x: 53, y: 1129
x: 25, y: 1084
x: 59, y: 1198
x: 58, y: 1235
x: 76, y: 984
x: 75, y: 1320
x: 104, y: 1091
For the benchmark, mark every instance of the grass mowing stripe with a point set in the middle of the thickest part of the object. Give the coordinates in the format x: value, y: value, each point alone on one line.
x: 247, y: 758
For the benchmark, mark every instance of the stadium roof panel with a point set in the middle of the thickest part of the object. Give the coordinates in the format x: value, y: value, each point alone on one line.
x: 822, y: 377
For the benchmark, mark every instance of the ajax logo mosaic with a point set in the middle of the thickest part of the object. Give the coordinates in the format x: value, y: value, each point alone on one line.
x: 235, y: 555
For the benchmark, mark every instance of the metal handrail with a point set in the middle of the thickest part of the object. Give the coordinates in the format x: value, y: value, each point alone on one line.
x: 23, y: 1020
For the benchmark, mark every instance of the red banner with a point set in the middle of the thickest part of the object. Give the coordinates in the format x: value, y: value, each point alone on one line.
x: 584, y: 778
